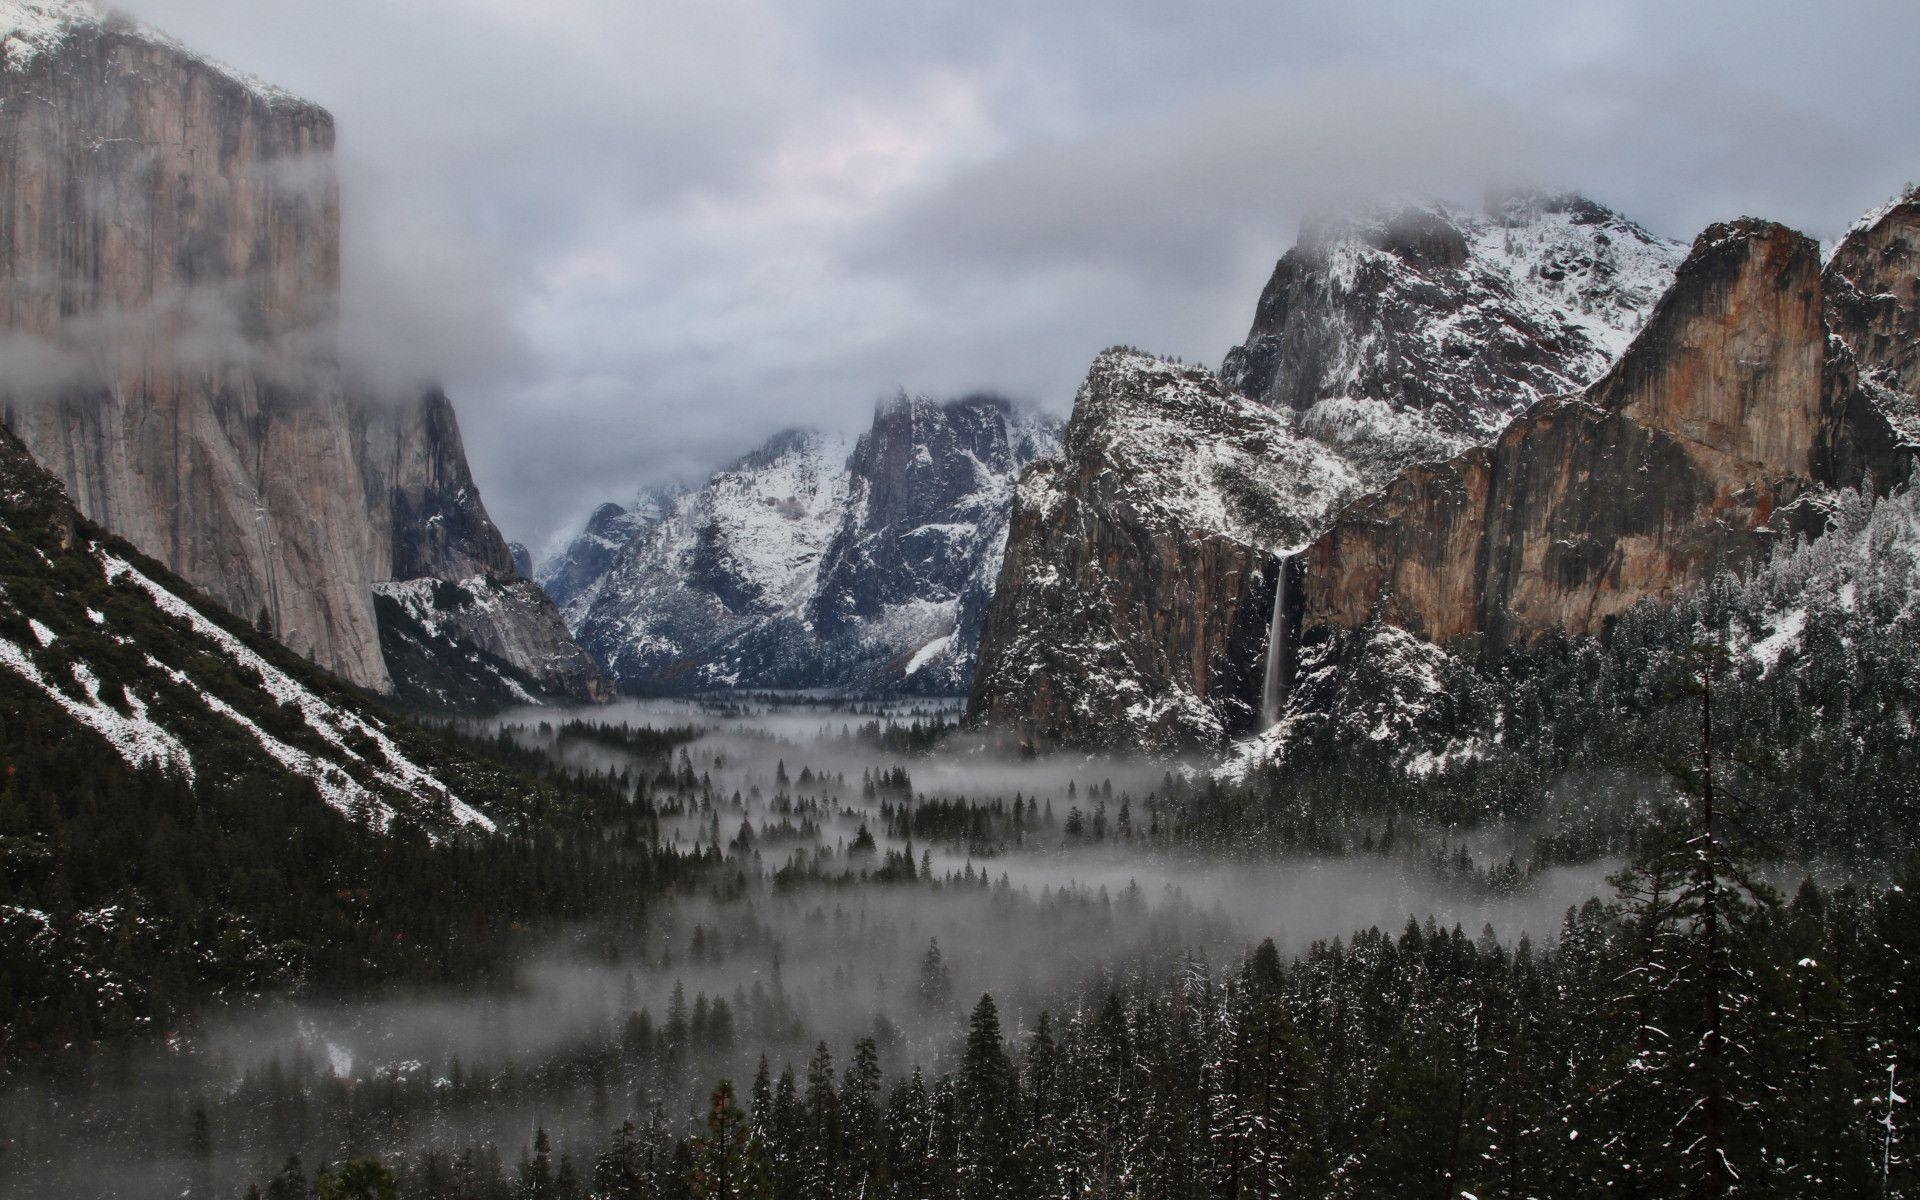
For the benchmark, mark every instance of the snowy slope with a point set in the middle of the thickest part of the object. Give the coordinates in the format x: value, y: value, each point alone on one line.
x: 98, y: 640
x: 735, y: 556
x: 1404, y: 335
x: 906, y: 579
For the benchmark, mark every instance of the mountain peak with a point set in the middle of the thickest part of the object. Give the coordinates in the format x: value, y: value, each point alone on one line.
x: 1407, y: 332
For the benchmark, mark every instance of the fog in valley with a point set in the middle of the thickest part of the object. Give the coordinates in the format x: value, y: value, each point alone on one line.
x: 803, y: 934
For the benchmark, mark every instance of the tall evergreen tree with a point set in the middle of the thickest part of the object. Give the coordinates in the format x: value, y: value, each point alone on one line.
x: 987, y: 1095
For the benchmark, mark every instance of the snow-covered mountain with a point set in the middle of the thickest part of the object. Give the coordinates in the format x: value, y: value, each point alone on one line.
x: 1406, y: 334
x: 1140, y: 571
x: 1761, y: 403
x: 812, y: 561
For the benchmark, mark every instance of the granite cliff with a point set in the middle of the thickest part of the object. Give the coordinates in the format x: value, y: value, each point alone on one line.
x: 169, y: 281
x: 1712, y: 437
x: 1385, y: 337
x: 1141, y: 565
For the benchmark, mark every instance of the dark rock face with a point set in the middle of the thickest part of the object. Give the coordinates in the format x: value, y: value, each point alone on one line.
x: 169, y: 274
x: 573, y: 576
x: 460, y: 625
x: 931, y: 490
x: 1687, y: 458
x: 522, y: 560
x: 1404, y: 336
x: 1872, y: 286
x: 1139, y: 577
x: 810, y: 563
x: 421, y: 495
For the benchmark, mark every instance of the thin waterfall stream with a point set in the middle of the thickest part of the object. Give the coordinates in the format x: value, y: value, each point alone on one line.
x: 1273, y: 694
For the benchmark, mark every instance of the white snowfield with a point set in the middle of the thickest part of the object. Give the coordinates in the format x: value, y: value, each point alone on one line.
x: 1193, y: 455
x: 761, y: 525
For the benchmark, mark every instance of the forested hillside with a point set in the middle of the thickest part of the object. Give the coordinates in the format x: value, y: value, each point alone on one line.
x: 189, y: 809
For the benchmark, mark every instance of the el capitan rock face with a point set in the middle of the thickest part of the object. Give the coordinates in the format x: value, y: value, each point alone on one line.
x: 168, y: 287
x: 1139, y: 576
x: 1685, y: 459
x: 169, y: 253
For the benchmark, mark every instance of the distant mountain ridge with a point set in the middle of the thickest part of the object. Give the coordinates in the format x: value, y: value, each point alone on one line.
x: 812, y: 562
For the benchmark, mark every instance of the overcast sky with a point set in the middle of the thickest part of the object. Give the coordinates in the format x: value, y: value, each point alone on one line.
x: 634, y: 238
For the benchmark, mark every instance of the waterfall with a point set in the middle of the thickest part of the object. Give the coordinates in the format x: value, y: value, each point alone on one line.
x: 1273, y: 694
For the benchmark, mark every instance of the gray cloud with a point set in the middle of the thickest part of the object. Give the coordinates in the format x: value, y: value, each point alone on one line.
x: 634, y: 239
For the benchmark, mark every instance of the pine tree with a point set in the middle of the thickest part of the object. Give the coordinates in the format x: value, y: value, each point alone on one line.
x: 290, y: 1183
x: 860, y: 1120
x: 822, y: 1161
x: 361, y: 1179
x: 935, y: 987
x: 1695, y: 1074
x: 719, y: 1167
x: 988, y: 1109
x: 536, y: 1175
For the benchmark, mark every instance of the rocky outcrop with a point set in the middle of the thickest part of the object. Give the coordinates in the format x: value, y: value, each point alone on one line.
x: 480, y: 642
x: 427, y: 516
x: 1139, y: 576
x: 1872, y: 286
x: 1696, y: 450
x: 169, y: 279
x: 712, y: 594
x: 459, y: 623
x: 1405, y: 335
x: 522, y: 560
x: 917, y: 552
x: 811, y: 563
x: 574, y: 575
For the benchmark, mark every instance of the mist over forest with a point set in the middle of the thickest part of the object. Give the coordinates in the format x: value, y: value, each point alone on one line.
x: 868, y: 878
